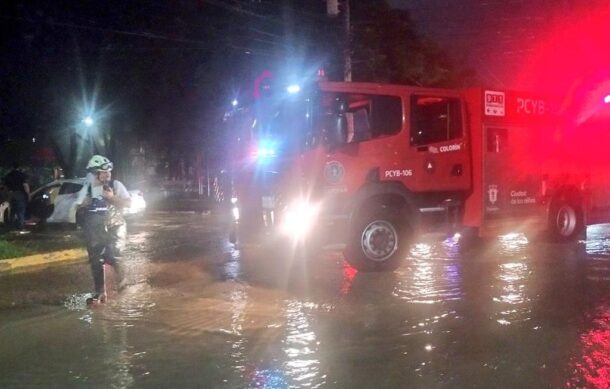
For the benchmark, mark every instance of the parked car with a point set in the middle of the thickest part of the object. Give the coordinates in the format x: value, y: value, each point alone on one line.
x: 56, y: 202
x: 5, y: 210
x: 5, y: 207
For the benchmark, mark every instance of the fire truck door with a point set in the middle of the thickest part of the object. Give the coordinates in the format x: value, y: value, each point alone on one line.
x: 438, y: 138
x: 511, y: 176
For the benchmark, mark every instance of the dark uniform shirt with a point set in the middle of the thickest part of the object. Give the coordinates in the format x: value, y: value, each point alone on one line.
x: 14, y: 181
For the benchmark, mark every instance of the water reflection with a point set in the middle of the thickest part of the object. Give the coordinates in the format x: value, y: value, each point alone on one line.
x: 511, y: 280
x: 513, y: 301
x: 598, y: 240
x: 592, y: 368
x: 349, y: 273
x: 301, y: 347
x: 513, y: 243
x: 238, y: 299
x: 230, y: 269
x: 432, y: 274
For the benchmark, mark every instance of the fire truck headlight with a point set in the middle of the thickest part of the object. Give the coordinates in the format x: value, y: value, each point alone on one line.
x: 265, y: 152
x: 299, y: 218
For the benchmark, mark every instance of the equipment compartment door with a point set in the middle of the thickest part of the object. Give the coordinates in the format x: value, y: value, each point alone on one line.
x: 511, y: 172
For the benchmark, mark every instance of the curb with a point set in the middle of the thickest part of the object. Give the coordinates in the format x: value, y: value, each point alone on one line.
x: 54, y: 257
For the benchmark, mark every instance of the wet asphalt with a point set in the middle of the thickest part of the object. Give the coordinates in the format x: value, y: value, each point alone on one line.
x: 200, y: 312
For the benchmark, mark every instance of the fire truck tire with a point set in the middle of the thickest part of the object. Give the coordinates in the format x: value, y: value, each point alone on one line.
x: 379, y: 240
x: 566, y: 220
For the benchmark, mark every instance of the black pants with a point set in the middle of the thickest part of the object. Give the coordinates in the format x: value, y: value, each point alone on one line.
x: 104, y: 246
x: 19, y: 202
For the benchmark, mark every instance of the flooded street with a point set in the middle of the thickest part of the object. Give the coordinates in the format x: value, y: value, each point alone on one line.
x: 199, y: 312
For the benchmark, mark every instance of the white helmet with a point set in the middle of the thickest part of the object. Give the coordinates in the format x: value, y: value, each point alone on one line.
x: 99, y: 163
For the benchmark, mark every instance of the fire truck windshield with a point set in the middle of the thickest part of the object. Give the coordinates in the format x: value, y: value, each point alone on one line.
x: 269, y: 129
x: 284, y: 123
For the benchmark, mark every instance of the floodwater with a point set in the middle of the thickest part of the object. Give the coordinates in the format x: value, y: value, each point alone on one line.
x: 200, y: 313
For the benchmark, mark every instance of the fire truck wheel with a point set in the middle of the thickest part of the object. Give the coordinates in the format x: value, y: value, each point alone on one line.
x: 565, y: 220
x: 378, y: 241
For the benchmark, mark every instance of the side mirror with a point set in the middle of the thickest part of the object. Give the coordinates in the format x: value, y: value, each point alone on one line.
x: 337, y: 123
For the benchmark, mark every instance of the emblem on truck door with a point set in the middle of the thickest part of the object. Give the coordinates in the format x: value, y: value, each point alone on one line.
x: 334, y: 172
x: 492, y: 193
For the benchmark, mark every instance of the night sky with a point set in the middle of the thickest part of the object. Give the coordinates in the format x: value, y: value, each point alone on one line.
x: 501, y: 38
x: 161, y: 73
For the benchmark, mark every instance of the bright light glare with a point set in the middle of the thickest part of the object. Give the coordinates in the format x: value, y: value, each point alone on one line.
x: 88, y: 121
x: 607, y: 99
x: 234, y: 103
x: 235, y: 212
x: 299, y: 218
x: 266, y: 149
x: 138, y: 204
x: 265, y: 152
x: 233, y: 200
x: 292, y: 89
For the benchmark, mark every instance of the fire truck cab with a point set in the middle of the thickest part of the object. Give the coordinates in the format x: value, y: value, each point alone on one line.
x: 381, y: 163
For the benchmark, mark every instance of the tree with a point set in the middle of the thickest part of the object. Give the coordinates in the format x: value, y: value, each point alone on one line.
x: 386, y: 48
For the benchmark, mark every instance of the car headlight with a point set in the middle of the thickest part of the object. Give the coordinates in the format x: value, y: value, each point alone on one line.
x: 138, y: 204
x: 299, y: 218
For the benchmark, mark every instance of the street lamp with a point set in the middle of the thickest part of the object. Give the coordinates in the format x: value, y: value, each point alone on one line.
x: 88, y: 121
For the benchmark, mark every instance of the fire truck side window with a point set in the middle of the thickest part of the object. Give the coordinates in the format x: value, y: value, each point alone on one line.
x: 371, y: 116
x: 435, y: 119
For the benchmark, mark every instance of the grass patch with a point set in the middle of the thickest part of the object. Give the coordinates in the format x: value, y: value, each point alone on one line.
x: 12, y: 250
x: 38, y: 242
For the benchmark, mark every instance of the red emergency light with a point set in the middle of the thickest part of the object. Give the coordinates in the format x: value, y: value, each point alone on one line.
x: 261, y: 84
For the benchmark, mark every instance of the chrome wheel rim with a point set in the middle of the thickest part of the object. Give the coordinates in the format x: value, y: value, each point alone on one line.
x: 379, y: 240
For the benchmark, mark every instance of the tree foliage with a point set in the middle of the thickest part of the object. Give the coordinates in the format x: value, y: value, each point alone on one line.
x: 386, y: 48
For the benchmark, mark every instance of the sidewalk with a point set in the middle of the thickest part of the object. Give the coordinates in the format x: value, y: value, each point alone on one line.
x: 48, y: 246
x: 35, y: 261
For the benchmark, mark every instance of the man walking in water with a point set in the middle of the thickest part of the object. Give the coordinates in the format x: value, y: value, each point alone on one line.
x: 103, y: 222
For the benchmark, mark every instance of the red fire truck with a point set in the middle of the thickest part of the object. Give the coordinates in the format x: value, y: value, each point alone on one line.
x: 376, y: 164
x: 393, y: 159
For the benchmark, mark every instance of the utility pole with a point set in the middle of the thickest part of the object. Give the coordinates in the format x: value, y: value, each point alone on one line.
x: 332, y: 9
x: 347, y: 55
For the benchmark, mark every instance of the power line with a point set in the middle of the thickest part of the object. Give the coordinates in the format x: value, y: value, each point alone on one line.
x: 245, y: 49
x: 147, y: 35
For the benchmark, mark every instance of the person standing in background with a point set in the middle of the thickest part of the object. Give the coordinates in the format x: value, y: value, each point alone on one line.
x: 19, y: 189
